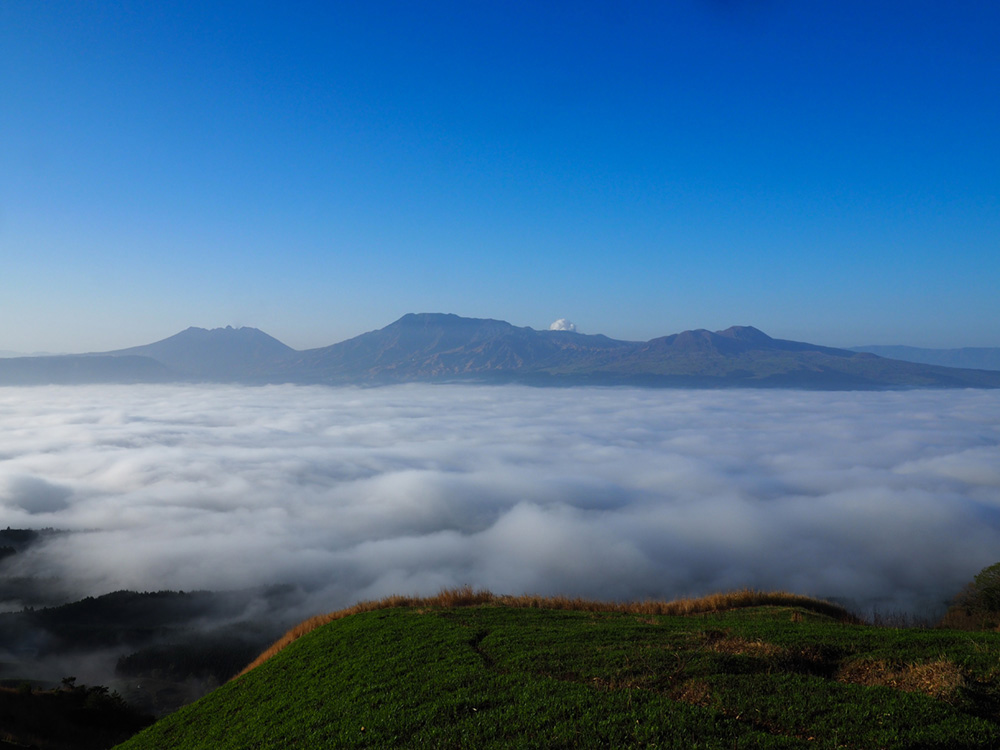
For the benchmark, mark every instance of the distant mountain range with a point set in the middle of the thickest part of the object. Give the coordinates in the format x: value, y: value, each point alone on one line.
x: 434, y: 347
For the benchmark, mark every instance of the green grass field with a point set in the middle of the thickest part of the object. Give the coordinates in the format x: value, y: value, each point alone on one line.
x: 491, y: 675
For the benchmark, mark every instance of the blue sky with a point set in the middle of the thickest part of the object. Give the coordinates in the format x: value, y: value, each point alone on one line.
x: 825, y: 171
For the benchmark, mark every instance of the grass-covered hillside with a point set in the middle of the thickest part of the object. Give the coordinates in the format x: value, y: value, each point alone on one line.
x: 472, y: 670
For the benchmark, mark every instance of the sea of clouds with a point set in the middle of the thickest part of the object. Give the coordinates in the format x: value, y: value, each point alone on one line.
x: 882, y: 499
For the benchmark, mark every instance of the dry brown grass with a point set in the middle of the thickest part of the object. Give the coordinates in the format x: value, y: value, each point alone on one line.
x: 962, y: 618
x: 745, y: 647
x: 939, y: 679
x: 466, y: 596
x: 695, y: 692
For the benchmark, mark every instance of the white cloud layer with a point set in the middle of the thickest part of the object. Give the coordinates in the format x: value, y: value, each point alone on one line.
x: 887, y: 499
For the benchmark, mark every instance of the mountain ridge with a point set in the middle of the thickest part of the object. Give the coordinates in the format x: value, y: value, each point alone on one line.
x: 444, y: 347
x: 973, y: 357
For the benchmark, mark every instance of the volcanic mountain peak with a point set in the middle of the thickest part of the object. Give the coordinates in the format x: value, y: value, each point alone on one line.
x: 748, y: 334
x: 243, y: 332
x: 447, y: 326
x: 224, y: 353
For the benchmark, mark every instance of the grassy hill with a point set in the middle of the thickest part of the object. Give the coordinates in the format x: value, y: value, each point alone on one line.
x: 469, y: 669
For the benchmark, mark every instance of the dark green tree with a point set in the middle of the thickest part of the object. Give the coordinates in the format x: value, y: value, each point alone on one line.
x: 986, y: 589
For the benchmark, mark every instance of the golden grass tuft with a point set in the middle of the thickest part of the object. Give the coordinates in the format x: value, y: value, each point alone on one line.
x: 466, y: 596
x: 939, y: 679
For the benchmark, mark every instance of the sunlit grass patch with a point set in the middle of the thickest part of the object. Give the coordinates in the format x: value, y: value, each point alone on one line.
x: 466, y: 596
x: 740, y: 645
x: 940, y: 678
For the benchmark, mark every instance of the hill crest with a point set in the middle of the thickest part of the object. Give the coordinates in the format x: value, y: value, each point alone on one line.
x: 766, y: 675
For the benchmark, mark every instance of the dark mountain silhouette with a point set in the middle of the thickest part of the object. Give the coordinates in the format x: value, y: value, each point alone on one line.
x: 435, y: 347
x: 217, y: 354
x: 980, y: 358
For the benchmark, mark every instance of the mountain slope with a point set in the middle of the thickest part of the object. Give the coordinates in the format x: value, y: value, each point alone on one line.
x: 979, y: 358
x: 767, y: 676
x: 744, y: 356
x: 216, y: 354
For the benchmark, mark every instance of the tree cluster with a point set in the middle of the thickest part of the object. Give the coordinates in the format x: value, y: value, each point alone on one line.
x: 977, y: 606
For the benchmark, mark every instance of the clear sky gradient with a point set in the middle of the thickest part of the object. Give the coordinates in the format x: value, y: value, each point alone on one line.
x: 825, y: 171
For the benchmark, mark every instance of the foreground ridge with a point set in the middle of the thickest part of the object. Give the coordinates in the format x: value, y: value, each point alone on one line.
x: 766, y: 670
x: 466, y: 596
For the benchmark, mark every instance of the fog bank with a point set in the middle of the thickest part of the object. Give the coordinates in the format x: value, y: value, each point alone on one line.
x: 883, y: 499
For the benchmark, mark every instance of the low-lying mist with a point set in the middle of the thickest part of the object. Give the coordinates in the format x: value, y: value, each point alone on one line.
x: 887, y: 499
